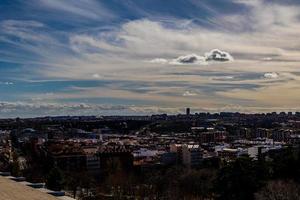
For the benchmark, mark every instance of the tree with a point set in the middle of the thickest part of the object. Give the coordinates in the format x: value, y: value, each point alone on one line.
x: 55, y: 180
x: 15, y: 168
x: 237, y: 180
x: 15, y: 165
x: 286, y: 164
x: 86, y: 182
x: 197, y: 184
x: 279, y: 190
x: 72, y: 181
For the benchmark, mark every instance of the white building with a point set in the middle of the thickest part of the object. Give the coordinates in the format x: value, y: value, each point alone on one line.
x: 254, y: 151
x: 231, y: 153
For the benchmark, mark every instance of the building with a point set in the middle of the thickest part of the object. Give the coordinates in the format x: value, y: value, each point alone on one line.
x: 231, y: 153
x: 263, y: 133
x: 294, y: 139
x: 177, y: 148
x: 188, y: 111
x: 191, y: 155
x: 92, y: 160
x: 68, y: 156
x: 256, y: 151
x: 115, y: 154
x: 281, y: 135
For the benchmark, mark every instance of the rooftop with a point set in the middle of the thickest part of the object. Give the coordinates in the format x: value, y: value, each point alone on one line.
x: 11, y: 190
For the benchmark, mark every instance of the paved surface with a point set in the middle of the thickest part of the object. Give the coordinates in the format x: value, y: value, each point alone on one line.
x: 11, y: 190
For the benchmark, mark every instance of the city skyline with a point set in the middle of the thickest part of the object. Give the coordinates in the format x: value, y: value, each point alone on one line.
x: 101, y: 57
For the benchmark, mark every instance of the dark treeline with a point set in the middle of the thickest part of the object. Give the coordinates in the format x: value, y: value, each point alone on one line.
x: 275, y: 175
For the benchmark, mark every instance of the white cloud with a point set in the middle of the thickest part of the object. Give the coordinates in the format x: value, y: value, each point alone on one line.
x: 54, y: 106
x: 7, y: 83
x: 271, y: 75
x: 26, y: 109
x: 159, y: 61
x: 214, y: 55
x: 189, y: 93
x: 267, y: 59
x: 96, y: 76
x: 38, y: 108
x: 228, y: 77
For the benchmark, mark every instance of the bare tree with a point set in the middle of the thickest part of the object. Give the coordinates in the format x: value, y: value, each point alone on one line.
x: 279, y: 190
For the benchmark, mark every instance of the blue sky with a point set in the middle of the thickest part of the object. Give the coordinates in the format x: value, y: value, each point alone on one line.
x: 103, y: 57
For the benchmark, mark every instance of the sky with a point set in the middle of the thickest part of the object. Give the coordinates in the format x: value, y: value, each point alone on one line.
x: 129, y: 57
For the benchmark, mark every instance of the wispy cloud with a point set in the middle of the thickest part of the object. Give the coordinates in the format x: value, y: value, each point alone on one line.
x: 90, y: 9
x: 156, y: 56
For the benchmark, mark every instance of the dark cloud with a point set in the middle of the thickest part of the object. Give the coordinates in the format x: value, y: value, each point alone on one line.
x: 218, y: 55
x: 189, y: 59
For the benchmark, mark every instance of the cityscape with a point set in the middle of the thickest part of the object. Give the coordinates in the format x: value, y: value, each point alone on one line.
x: 149, y: 100
x: 185, y: 156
